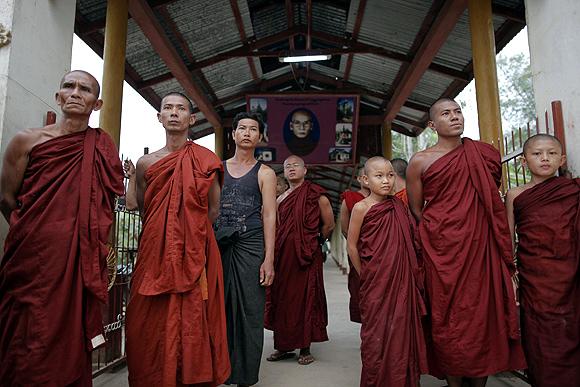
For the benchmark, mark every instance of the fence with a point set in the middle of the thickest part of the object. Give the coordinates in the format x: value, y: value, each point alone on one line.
x: 127, y: 228
x: 515, y: 173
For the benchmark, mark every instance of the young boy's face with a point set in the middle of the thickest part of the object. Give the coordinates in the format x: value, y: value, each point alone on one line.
x: 543, y: 157
x: 380, y: 178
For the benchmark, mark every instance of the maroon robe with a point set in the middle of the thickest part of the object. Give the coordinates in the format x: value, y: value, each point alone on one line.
x: 393, y: 346
x: 351, y: 198
x: 176, y: 323
x: 468, y: 262
x: 53, y: 277
x: 548, y: 225
x: 296, y: 302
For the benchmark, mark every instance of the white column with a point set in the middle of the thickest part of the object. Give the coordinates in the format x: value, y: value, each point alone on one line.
x: 32, y: 62
x: 553, y: 35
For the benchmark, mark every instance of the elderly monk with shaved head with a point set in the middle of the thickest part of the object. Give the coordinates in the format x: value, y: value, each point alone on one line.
x: 453, y: 192
x: 296, y: 302
x: 57, y: 187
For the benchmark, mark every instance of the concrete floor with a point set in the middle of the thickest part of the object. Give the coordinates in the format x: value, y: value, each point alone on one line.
x: 337, y: 361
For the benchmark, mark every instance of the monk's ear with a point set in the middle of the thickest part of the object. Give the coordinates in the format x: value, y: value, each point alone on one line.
x: 98, y: 105
x: 57, y: 98
x: 431, y: 124
x: 365, y: 180
x: 523, y: 161
x: 159, y: 117
x: 563, y: 161
x: 191, y: 119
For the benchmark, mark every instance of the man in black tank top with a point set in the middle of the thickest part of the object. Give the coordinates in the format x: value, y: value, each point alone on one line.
x: 245, y: 229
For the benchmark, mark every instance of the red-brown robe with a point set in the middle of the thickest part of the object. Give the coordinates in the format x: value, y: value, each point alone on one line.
x: 176, y: 327
x: 393, y: 346
x: 468, y: 264
x: 548, y: 225
x: 351, y: 198
x: 402, y: 194
x: 53, y: 277
x: 296, y: 302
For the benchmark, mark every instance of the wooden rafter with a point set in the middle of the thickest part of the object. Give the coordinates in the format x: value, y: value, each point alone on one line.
x: 152, y: 29
x: 435, y: 38
x: 243, y: 38
x: 355, y: 31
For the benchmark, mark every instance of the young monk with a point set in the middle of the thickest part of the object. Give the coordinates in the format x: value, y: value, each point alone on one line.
x: 349, y: 199
x: 545, y: 214
x: 380, y: 244
x: 453, y: 192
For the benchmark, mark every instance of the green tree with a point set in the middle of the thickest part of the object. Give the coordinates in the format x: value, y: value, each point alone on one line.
x: 516, y: 92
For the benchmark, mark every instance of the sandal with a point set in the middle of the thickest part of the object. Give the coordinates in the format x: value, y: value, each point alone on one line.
x: 305, y: 359
x: 278, y: 355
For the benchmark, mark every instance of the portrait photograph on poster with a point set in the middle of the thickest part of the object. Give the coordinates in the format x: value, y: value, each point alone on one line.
x: 320, y: 128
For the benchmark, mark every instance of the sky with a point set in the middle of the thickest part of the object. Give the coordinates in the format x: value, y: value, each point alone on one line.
x: 140, y: 127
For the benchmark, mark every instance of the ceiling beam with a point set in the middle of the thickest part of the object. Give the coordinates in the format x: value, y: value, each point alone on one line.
x: 243, y: 51
x: 435, y: 38
x: 152, y: 29
x: 243, y: 38
x: 97, y: 42
x: 184, y: 47
x: 509, y: 13
x: 355, y: 31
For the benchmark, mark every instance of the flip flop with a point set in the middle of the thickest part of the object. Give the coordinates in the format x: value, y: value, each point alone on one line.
x: 277, y: 356
x: 305, y: 359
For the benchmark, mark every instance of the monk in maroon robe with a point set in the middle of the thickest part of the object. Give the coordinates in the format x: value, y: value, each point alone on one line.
x: 382, y: 246
x: 400, y: 168
x: 467, y: 253
x: 176, y: 327
x: 58, y: 189
x: 349, y: 199
x: 296, y: 302
x: 546, y: 216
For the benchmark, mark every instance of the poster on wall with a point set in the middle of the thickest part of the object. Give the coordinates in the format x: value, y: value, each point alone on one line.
x: 320, y: 128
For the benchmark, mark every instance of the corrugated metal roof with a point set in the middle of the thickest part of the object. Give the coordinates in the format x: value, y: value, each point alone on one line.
x: 373, y: 72
x: 209, y: 27
x: 144, y: 59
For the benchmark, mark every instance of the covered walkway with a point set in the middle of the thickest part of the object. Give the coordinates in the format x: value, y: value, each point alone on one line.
x: 338, y: 360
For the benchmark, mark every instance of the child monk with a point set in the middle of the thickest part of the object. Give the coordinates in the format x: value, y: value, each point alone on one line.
x: 380, y: 245
x: 545, y: 215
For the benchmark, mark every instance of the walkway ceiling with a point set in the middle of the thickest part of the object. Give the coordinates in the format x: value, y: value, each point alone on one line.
x: 399, y: 55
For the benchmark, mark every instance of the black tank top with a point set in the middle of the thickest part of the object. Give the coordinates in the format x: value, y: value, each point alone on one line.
x: 241, y: 201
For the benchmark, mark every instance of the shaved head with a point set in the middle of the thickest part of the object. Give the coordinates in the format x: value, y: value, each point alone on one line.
x: 96, y: 85
x: 374, y: 161
x: 400, y: 167
x: 433, y: 107
x: 541, y: 136
x: 294, y: 159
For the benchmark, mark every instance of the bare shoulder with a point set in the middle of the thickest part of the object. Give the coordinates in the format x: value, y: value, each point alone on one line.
x: 147, y: 160
x: 265, y: 172
x: 513, y: 193
x: 362, y: 207
x: 27, y: 139
x: 283, y: 196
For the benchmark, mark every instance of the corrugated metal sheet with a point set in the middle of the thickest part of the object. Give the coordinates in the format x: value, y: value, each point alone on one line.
x: 92, y: 10
x: 430, y: 88
x: 373, y: 72
x: 209, y: 27
x: 456, y: 51
x: 228, y: 73
x: 327, y: 18
x: 141, y: 55
x: 390, y: 24
x: 270, y: 20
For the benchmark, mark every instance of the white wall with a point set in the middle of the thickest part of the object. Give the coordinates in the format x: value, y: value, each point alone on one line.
x: 32, y: 65
x: 554, y: 40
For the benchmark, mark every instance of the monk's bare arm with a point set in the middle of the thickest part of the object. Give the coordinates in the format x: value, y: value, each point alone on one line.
x: 131, y: 194
x: 140, y: 182
x: 509, y: 206
x: 267, y: 180
x: 356, y: 218
x: 213, y: 198
x: 326, y: 216
x: 415, y: 186
x: 13, y: 168
x: 344, y: 218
